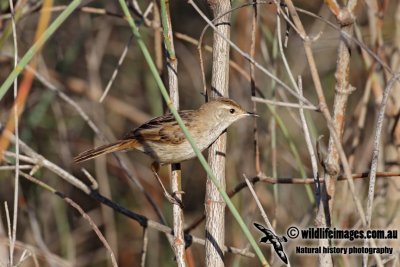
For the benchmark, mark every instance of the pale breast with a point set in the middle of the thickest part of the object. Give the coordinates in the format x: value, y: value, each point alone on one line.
x: 168, y: 153
x: 174, y: 153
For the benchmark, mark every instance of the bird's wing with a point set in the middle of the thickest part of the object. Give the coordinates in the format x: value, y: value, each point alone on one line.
x: 282, y: 255
x: 260, y: 227
x: 163, y: 129
x: 276, y: 243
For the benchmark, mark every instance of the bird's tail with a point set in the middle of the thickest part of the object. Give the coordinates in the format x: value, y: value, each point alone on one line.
x: 105, y: 149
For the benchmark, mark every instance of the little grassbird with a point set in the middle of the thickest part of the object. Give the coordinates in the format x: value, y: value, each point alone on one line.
x: 163, y: 140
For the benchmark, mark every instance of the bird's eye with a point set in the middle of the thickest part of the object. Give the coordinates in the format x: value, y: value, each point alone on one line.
x: 232, y: 110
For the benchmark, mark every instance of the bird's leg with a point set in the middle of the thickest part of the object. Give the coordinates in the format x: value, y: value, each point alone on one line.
x: 171, y: 198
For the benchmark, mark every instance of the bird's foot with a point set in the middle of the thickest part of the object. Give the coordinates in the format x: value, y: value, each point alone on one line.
x: 173, y: 199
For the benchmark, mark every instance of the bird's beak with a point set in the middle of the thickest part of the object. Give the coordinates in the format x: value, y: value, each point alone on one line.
x: 252, y: 114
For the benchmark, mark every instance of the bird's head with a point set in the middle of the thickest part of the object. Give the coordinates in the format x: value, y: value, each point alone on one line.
x: 226, y: 111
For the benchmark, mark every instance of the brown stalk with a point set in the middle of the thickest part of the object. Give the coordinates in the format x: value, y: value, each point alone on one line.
x: 178, y: 242
x: 253, y: 86
x: 214, y: 203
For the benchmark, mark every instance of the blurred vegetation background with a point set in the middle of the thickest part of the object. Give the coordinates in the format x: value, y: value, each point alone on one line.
x: 79, y: 60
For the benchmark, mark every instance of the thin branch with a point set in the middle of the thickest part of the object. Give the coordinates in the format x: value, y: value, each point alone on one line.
x: 375, y: 152
x: 232, y: 64
x: 282, y: 104
x: 83, y: 214
x: 178, y: 243
x: 94, y: 227
x: 116, y: 70
x: 20, y: 167
x: 124, y: 52
x: 253, y: 87
x: 214, y: 203
x: 10, y: 237
x: 21, y: 157
x: 259, y: 205
x: 310, y: 147
x: 16, y: 130
x: 245, y: 55
x: 144, y: 247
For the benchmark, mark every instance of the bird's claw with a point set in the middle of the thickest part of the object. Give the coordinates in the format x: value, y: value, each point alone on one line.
x: 173, y: 199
